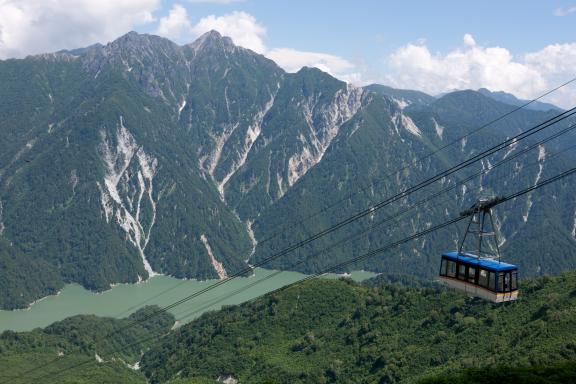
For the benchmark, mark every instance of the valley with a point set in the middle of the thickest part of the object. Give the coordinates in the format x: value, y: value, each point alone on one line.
x: 124, y: 299
x: 321, y: 331
x: 144, y: 157
x: 198, y: 208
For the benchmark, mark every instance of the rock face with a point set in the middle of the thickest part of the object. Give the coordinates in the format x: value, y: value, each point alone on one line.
x: 125, y: 193
x: 142, y: 157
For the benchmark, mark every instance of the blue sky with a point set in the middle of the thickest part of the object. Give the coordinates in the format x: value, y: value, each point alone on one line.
x: 365, y: 27
x: 523, y: 47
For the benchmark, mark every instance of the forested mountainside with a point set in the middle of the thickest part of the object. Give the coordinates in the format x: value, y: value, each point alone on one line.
x: 141, y: 157
x: 76, y: 350
x: 513, y: 100
x: 323, y: 331
x: 404, y: 97
x: 327, y: 331
x: 549, y: 374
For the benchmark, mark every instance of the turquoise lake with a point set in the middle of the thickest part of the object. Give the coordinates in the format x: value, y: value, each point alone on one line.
x: 123, y: 299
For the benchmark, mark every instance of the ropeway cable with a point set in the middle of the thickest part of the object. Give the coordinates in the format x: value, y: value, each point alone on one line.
x: 341, y: 265
x: 415, y: 162
x: 560, y: 117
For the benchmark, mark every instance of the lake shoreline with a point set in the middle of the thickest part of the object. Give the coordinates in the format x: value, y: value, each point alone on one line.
x: 161, y: 290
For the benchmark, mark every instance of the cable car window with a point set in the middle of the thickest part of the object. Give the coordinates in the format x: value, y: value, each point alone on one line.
x: 483, y: 278
x: 462, y: 272
x: 514, y: 280
x: 471, y: 274
x: 492, y: 281
x: 451, y: 269
x: 507, y: 282
x: 443, y: 267
x: 504, y: 282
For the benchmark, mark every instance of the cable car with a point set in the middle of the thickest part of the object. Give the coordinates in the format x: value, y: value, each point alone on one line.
x: 480, y: 274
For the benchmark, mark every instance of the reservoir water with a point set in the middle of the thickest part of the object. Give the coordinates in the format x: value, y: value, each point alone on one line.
x: 123, y: 299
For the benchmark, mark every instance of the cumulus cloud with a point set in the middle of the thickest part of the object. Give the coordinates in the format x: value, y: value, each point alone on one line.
x: 292, y: 60
x: 469, y: 40
x: 564, y: 11
x: 37, y: 26
x: 176, y: 25
x: 241, y: 27
x: 247, y: 32
x: 215, y: 1
x: 553, y: 59
x: 473, y: 66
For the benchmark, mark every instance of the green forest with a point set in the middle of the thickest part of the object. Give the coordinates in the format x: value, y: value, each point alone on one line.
x: 82, y: 349
x: 339, y: 331
x: 230, y: 145
x: 322, y: 331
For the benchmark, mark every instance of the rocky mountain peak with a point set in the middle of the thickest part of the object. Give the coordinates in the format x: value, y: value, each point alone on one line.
x: 138, y: 44
x: 212, y: 40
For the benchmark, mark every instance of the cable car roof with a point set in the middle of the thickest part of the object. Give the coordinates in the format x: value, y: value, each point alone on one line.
x: 468, y: 258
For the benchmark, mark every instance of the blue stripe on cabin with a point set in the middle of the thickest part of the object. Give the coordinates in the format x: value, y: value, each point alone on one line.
x: 473, y: 260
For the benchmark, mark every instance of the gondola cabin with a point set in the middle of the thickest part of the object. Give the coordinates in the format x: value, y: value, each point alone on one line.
x: 486, y: 278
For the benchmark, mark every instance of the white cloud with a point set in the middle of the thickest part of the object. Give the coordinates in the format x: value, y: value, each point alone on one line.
x: 245, y: 31
x: 554, y: 59
x: 469, y: 40
x: 37, y: 26
x: 564, y: 11
x: 176, y: 25
x: 292, y: 60
x: 241, y: 27
x: 526, y: 76
x: 215, y: 1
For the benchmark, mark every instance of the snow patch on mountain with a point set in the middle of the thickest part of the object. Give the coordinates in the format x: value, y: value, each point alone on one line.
x: 252, y: 237
x: 218, y: 267
x: 299, y: 164
x: 252, y: 134
x: 127, y: 183
x: 439, y: 129
x: 1, y: 222
x: 402, y: 103
x: 409, y: 124
x: 227, y: 101
x: 400, y: 120
x: 541, y: 153
x: 499, y: 224
x: 210, y: 162
x: 511, y: 147
x: 541, y: 158
x: 354, y: 129
x: 181, y: 107
x: 280, y: 183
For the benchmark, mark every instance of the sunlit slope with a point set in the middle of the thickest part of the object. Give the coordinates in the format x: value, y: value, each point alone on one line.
x: 76, y: 350
x: 142, y: 156
x: 338, y: 331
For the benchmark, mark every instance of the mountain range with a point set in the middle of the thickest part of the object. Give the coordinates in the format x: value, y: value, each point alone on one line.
x: 139, y: 157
